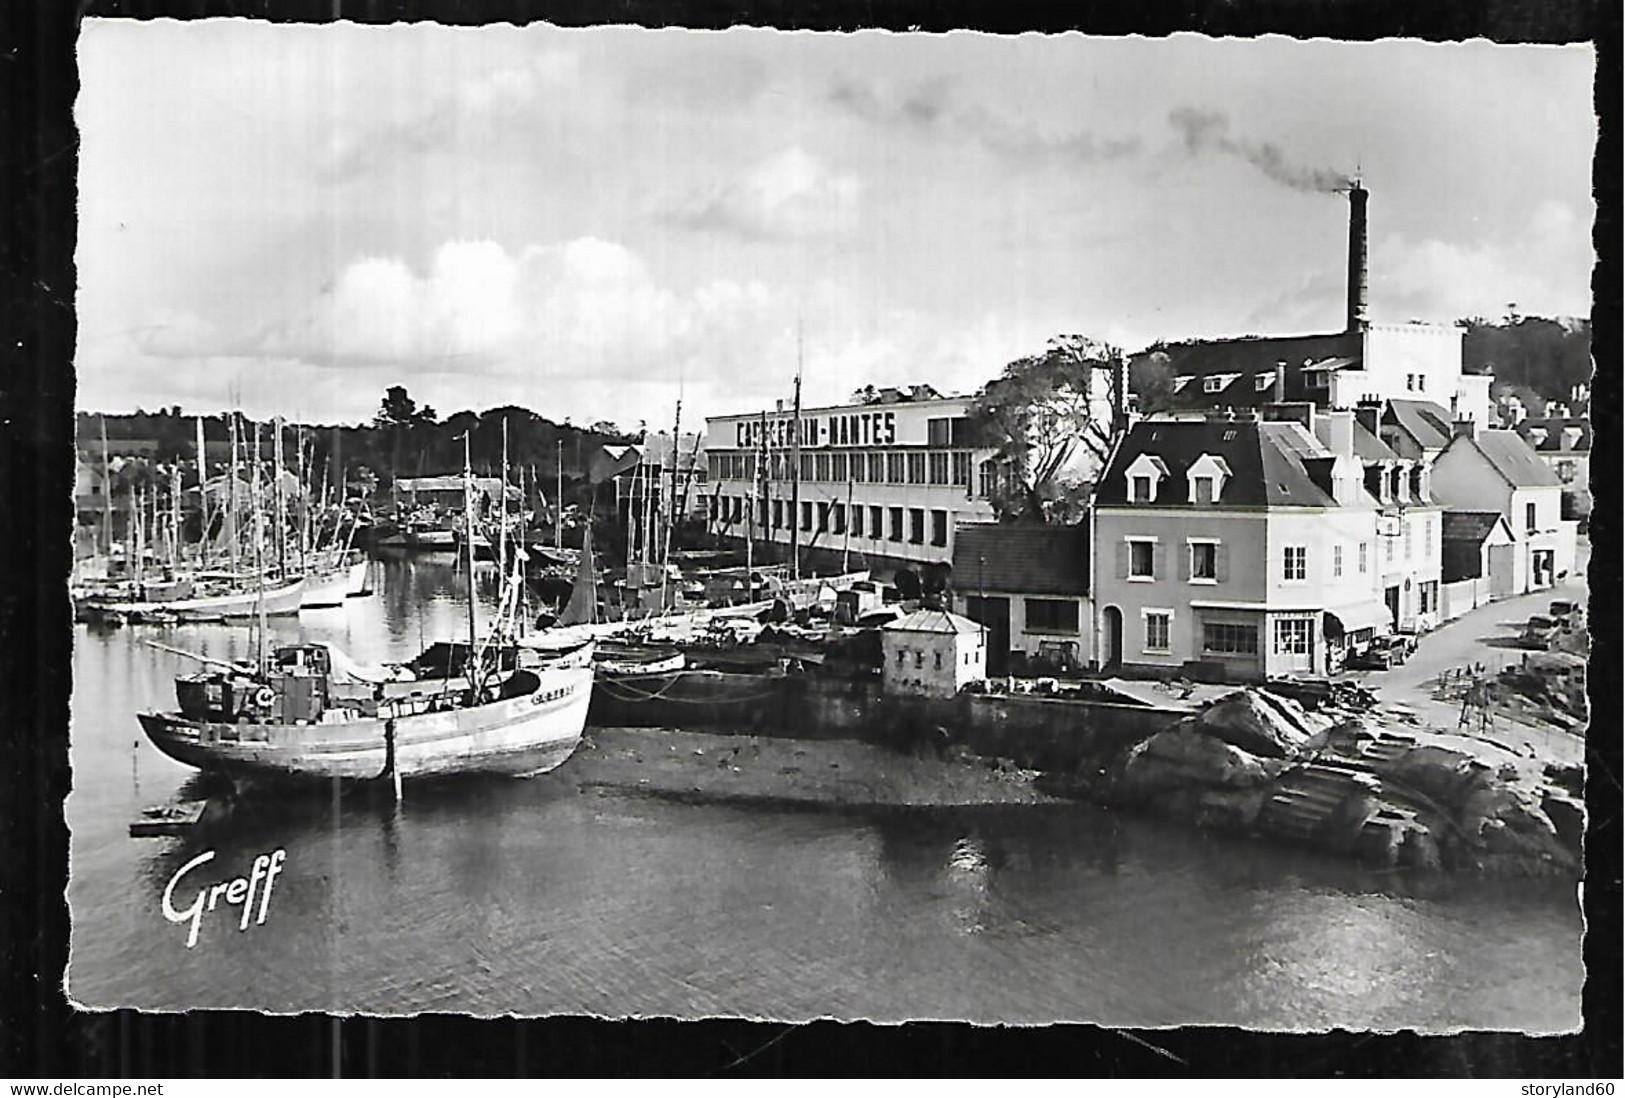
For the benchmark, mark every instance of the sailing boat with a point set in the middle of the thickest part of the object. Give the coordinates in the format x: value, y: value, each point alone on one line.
x: 305, y: 712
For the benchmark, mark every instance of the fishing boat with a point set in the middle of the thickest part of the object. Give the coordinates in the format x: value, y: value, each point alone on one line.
x: 294, y: 719
x: 235, y: 602
x: 296, y: 714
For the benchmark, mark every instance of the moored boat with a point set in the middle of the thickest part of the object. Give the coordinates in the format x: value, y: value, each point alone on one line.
x: 237, y: 602
x: 296, y: 721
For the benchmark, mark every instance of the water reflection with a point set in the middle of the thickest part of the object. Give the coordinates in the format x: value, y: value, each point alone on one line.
x: 535, y: 897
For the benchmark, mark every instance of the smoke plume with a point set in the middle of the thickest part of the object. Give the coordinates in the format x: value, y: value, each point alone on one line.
x: 1209, y: 131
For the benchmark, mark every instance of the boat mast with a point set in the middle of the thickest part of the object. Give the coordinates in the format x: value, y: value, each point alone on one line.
x: 280, y: 530
x: 468, y: 527
x: 667, y: 502
x: 795, y: 469
x: 175, y: 517
x: 502, y: 517
x: 558, y: 501
x: 203, y: 495
x: 846, y: 546
x: 259, y: 550
x: 231, y: 505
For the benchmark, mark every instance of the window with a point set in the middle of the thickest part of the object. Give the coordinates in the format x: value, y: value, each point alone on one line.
x: 1408, y: 540
x: 838, y: 515
x: 806, y: 515
x: 837, y: 468
x: 877, y: 468
x: 1052, y: 616
x: 1142, y: 490
x: 987, y: 479
x: 1410, y: 382
x: 900, y: 656
x: 896, y: 516
x: 857, y: 520
x: 1204, y: 562
x: 821, y: 467
x: 1202, y: 490
x: 859, y: 468
x: 919, y: 657
x: 961, y: 469
x: 1157, y: 629
x: 1141, y: 559
x: 1529, y: 518
x: 823, y: 517
x: 939, y: 467
x: 939, y: 527
x: 916, y: 468
x: 894, y: 468
x: 1213, y: 384
x: 1421, y: 383
x: 916, y: 525
x: 1295, y: 564
x: 1225, y: 638
x: 1337, y: 561
x: 875, y: 528
x: 938, y: 432
x: 938, y: 659
x: 1317, y: 379
x: 1292, y: 636
x: 778, y: 514
x: 1388, y: 549
x: 1365, y: 553
x: 806, y: 467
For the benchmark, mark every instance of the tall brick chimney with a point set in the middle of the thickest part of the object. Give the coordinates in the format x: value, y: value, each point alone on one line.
x: 1357, y: 258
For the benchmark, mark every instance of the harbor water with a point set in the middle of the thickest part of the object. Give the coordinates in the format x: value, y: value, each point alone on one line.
x: 536, y: 897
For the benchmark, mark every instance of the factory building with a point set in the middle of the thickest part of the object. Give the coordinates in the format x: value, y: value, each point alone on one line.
x: 879, y: 484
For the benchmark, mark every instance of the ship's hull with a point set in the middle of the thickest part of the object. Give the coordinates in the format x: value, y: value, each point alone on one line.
x: 325, y: 589
x: 529, y: 734
x: 357, y: 578
x: 285, y: 599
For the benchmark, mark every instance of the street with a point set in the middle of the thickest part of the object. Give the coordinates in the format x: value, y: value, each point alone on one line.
x: 1487, y: 637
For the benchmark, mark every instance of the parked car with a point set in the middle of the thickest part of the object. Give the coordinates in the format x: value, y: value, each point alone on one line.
x: 1566, y: 612
x: 1539, y: 632
x: 1382, y: 653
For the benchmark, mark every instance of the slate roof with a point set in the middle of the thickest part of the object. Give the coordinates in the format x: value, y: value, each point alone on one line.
x: 1029, y: 559
x: 1251, y: 357
x: 1265, y: 460
x: 1423, y: 420
x: 932, y: 621
x: 1553, y: 442
x: 1468, y: 526
x: 1512, y: 457
x: 1368, y: 447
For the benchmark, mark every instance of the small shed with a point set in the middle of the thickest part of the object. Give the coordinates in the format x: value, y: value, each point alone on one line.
x: 932, y: 652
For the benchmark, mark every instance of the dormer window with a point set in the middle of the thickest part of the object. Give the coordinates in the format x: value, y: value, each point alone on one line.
x: 1206, y: 478
x: 1263, y: 381
x: 1213, y: 384
x: 1571, y: 437
x: 1181, y: 382
x: 1537, y: 435
x: 1145, y: 473
x: 1316, y: 379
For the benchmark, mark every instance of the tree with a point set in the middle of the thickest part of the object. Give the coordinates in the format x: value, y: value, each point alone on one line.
x: 398, y: 409
x: 1050, y: 419
x: 1151, y: 380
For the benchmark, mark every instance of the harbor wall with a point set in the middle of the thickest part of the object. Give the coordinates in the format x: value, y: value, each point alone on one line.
x: 1038, y: 732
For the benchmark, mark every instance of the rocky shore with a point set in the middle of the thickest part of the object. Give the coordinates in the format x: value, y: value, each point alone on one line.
x: 1352, y: 782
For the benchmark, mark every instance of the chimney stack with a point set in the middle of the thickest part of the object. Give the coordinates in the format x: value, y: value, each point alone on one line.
x: 1357, y: 257
x: 1369, y: 416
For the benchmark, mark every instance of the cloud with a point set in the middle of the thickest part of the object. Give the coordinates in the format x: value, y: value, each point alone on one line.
x: 930, y: 110
x: 477, y: 108
x: 1203, y: 131
x: 790, y: 195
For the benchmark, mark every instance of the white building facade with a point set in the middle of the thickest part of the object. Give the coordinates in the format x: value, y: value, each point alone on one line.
x: 882, y: 484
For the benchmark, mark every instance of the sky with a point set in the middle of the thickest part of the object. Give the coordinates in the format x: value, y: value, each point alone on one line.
x: 595, y: 223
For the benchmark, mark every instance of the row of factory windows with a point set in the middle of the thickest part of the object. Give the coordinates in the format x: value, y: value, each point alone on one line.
x: 898, y: 524
x: 944, y: 467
